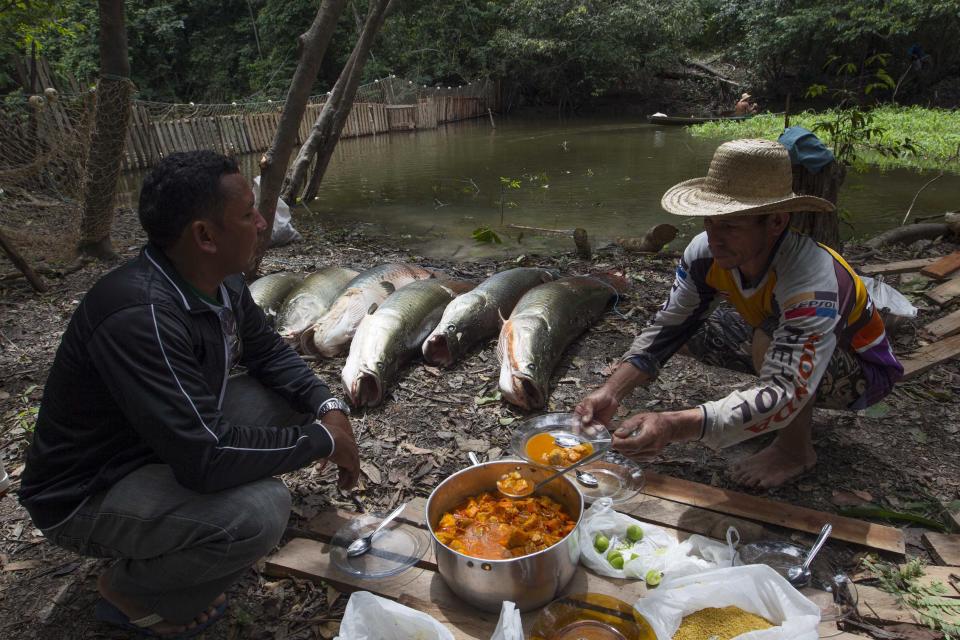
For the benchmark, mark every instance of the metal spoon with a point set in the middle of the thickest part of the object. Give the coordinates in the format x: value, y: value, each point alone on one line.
x: 585, y: 478
x: 362, y: 544
x: 800, y: 575
x: 582, y: 461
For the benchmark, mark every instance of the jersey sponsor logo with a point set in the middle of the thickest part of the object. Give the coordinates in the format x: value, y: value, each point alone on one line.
x: 766, y: 398
x: 808, y: 312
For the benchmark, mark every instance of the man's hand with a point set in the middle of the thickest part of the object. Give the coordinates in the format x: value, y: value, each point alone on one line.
x: 644, y: 435
x: 599, y: 406
x: 602, y: 404
x: 345, y: 453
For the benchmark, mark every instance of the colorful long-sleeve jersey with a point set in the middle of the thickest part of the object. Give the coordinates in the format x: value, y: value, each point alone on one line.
x: 811, y: 302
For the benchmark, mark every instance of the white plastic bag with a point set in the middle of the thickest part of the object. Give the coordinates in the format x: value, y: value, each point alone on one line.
x: 283, y: 231
x: 657, y: 550
x: 888, y: 300
x: 509, y: 626
x: 754, y: 588
x: 370, y: 617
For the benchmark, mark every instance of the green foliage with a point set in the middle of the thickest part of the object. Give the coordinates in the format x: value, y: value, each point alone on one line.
x: 931, y: 603
x: 487, y: 235
x: 505, y: 185
x: 934, y: 135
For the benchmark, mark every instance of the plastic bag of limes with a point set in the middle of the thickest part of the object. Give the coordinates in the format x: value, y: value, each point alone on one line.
x: 616, y: 545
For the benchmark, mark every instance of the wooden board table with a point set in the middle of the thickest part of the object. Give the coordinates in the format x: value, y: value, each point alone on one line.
x: 422, y: 588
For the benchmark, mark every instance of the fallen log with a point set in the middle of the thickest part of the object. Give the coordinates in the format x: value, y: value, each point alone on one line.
x: 910, y: 233
x: 35, y: 281
x: 651, y: 242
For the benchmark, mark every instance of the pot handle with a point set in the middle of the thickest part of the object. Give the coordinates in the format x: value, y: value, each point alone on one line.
x: 474, y: 460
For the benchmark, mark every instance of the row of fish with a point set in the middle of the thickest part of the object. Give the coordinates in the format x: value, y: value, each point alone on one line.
x: 389, y: 314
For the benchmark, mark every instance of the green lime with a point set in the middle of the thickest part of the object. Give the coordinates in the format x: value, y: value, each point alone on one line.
x: 634, y: 533
x: 653, y: 577
x: 616, y: 562
x: 601, y: 542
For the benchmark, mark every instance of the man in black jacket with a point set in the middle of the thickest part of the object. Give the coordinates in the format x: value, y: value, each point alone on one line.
x: 146, y: 449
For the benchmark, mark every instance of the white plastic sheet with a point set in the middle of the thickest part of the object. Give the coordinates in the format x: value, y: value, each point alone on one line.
x: 657, y: 550
x: 283, y: 231
x: 754, y: 588
x: 370, y: 617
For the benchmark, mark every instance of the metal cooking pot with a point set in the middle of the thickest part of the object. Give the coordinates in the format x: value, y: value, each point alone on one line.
x: 530, y: 581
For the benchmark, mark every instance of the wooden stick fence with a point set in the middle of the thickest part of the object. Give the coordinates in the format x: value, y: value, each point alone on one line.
x: 150, y: 139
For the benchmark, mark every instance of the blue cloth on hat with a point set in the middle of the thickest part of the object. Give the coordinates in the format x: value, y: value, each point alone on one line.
x: 806, y: 149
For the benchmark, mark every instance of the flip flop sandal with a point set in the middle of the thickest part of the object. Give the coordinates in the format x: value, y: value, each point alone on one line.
x: 104, y: 611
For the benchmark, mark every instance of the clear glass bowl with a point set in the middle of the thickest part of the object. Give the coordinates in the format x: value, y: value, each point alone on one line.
x: 618, y: 478
x: 566, y: 430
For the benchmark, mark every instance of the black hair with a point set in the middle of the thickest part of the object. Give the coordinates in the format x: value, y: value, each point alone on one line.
x: 183, y: 187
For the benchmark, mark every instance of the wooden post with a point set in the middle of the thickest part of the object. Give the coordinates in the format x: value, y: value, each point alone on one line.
x: 492, y: 123
x: 822, y: 227
x: 21, y: 264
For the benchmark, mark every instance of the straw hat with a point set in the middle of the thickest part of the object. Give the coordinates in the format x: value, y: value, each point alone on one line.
x: 745, y: 96
x: 746, y: 177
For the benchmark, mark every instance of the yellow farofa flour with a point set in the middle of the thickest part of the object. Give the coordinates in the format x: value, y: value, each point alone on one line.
x: 725, y: 623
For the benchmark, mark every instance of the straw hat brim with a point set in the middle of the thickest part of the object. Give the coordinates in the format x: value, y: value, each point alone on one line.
x: 690, y: 198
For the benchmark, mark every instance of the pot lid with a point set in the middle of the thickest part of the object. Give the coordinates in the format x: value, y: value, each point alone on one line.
x: 395, y: 549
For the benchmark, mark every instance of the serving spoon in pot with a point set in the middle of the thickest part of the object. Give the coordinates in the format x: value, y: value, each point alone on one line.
x: 520, y: 487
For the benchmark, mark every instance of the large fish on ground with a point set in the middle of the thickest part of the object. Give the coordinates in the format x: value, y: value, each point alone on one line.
x: 544, y: 322
x: 332, y: 333
x: 308, y: 302
x: 478, y: 314
x: 271, y: 290
x: 393, y: 334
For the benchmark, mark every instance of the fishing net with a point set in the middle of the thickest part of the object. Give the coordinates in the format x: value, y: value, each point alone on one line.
x: 46, y: 134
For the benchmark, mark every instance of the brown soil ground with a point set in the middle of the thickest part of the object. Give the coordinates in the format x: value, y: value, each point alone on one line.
x: 903, y: 452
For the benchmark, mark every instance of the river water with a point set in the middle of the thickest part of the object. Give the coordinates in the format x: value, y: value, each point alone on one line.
x: 432, y: 188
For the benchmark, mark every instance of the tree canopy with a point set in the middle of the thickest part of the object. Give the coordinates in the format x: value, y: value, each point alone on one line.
x: 551, y: 51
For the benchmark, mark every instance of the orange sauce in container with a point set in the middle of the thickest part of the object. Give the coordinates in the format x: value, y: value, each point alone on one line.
x: 542, y: 449
x: 489, y: 527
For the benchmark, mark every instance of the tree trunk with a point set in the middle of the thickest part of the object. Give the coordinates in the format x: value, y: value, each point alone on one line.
x: 326, y: 130
x: 822, y: 227
x: 35, y: 281
x: 104, y: 158
x: 273, y: 164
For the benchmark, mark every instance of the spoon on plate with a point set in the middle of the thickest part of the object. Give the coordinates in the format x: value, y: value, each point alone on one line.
x: 362, y: 544
x: 524, y: 487
x: 585, y: 478
x: 799, y: 575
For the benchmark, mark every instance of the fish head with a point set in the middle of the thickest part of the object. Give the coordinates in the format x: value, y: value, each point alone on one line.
x: 523, y: 370
x: 364, y: 382
x: 446, y: 343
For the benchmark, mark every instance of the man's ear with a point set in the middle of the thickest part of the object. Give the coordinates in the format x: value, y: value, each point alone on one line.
x: 779, y: 222
x: 201, y: 233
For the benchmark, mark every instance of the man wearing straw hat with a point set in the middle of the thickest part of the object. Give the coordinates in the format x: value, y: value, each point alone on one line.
x: 744, y: 107
x: 797, y: 316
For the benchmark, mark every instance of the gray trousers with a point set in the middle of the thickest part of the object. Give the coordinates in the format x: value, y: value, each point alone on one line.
x: 176, y: 549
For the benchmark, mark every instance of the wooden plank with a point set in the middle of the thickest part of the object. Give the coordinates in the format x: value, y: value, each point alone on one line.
x: 946, y: 326
x: 943, y: 267
x: 889, y: 268
x: 773, y: 512
x: 878, y: 605
x: 944, y: 575
x: 930, y: 356
x: 944, y: 547
x: 945, y: 292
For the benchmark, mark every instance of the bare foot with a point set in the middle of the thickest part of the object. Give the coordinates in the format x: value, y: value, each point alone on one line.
x: 773, y: 466
x: 136, y: 612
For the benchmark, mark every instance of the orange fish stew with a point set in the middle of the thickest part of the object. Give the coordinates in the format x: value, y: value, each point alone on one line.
x: 543, y: 449
x: 493, y: 528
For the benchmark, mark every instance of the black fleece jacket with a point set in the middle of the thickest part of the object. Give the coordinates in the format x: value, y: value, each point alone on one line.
x: 139, y: 378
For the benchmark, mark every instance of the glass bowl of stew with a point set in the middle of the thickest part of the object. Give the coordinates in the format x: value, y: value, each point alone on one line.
x: 557, y: 440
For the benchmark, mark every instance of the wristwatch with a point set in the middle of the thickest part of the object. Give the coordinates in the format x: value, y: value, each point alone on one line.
x: 330, y: 404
